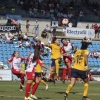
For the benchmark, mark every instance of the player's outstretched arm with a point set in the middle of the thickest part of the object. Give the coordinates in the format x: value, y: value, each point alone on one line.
x: 46, y: 67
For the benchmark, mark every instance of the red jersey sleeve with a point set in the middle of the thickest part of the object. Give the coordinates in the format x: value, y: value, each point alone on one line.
x: 11, y: 59
x: 22, y: 59
x: 40, y: 62
x: 62, y: 50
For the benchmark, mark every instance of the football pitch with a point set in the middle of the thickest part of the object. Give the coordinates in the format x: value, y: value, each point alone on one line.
x: 10, y: 91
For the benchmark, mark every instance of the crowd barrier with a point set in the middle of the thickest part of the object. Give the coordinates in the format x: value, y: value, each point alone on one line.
x: 6, y: 75
x: 80, y: 32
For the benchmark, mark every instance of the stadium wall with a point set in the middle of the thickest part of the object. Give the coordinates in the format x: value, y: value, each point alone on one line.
x: 84, y: 24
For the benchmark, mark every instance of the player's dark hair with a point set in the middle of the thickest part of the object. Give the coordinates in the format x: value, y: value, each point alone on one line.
x: 14, y: 53
x: 27, y: 20
x: 54, y: 39
x: 36, y: 46
x: 62, y: 40
x: 36, y: 54
x: 84, y: 45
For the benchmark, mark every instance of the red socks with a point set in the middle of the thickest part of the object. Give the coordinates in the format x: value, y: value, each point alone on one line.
x: 69, y: 71
x: 27, y: 91
x: 64, y: 73
x: 22, y: 80
x: 50, y: 76
x: 34, y: 88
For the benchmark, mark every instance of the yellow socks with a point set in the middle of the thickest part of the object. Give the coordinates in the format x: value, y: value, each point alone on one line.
x: 42, y: 81
x: 69, y: 88
x: 57, y: 66
x: 86, y: 85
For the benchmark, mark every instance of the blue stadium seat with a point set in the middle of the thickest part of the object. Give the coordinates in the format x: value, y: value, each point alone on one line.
x: 6, y: 51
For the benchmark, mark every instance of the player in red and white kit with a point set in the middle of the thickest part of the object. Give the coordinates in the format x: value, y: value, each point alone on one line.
x: 33, y: 61
x: 15, y: 62
x: 67, y: 57
x: 30, y: 75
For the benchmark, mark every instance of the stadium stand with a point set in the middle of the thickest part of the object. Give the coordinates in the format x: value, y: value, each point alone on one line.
x: 50, y: 9
x: 8, y: 49
x: 17, y: 9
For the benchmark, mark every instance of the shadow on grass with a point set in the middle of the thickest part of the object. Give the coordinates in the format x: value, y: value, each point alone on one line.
x: 44, y: 99
x: 64, y: 92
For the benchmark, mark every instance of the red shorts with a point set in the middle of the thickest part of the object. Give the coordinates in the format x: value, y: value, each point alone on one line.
x: 16, y: 72
x: 30, y: 75
x: 67, y: 60
x: 90, y: 77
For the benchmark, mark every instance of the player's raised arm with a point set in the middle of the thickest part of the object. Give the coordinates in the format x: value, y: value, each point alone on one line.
x: 41, y: 63
x: 28, y: 55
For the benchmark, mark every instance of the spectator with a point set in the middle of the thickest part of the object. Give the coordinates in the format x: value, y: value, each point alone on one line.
x: 87, y: 26
x: 9, y: 20
x: 96, y: 29
x: 25, y: 37
x: 12, y: 35
x: 99, y: 31
x: 92, y: 27
x: 13, y: 10
x: 14, y: 22
x: 27, y: 26
x: 54, y: 26
x: 21, y: 2
x: 70, y: 15
x: 20, y: 37
x: 32, y: 43
x: 36, y: 27
x: 20, y: 43
x: 64, y: 31
x: 28, y: 44
x: 35, y: 38
x: 43, y: 34
x: 1, y: 39
x: 4, y: 9
x: 89, y: 41
x: 9, y: 37
x: 70, y: 24
x: 95, y: 54
x: 19, y: 29
x: 48, y: 31
x: 31, y: 13
x: 90, y: 77
x: 81, y: 15
x: 98, y: 53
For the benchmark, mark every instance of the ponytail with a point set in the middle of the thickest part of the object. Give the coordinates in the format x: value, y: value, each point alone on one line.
x: 36, y: 53
x: 13, y: 54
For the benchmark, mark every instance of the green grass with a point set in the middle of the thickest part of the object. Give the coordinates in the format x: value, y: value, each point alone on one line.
x: 10, y: 91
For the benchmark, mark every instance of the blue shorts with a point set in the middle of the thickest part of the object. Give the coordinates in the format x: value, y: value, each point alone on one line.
x: 53, y: 63
x: 78, y: 73
x: 38, y: 74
